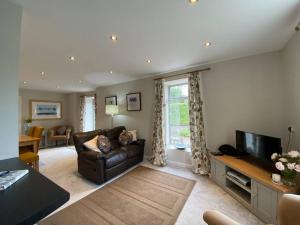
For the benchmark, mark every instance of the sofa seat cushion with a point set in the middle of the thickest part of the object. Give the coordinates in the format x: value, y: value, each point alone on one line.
x: 132, y: 150
x: 115, y: 157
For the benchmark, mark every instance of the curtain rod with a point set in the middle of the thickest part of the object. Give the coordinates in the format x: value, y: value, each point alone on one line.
x: 175, y: 75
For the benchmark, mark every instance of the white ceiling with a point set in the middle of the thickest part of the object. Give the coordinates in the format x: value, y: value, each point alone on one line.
x: 169, y: 32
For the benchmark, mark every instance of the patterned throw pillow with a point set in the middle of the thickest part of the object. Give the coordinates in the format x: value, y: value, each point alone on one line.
x: 61, y: 131
x: 104, y: 144
x: 125, y: 138
x: 92, y: 144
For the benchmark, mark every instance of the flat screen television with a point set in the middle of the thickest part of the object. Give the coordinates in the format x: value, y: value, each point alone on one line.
x: 258, y: 146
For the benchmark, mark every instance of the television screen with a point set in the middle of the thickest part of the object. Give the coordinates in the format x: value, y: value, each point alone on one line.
x: 259, y: 146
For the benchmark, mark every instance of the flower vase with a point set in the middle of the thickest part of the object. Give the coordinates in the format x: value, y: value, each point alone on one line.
x: 289, y: 177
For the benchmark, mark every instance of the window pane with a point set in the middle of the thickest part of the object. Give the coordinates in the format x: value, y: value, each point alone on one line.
x: 178, y: 115
x: 89, y: 116
x: 179, y: 91
x: 178, y: 112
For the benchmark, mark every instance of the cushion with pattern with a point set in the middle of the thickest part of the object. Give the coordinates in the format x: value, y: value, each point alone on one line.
x: 125, y: 138
x: 61, y: 131
x: 104, y: 144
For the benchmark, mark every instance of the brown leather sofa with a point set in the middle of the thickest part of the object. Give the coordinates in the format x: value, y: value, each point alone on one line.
x: 99, y: 167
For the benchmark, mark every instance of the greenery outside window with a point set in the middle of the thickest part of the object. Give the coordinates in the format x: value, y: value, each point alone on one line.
x: 177, y: 114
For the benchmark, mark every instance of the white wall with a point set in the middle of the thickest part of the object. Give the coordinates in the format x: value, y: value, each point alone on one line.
x: 27, y: 95
x: 291, y: 73
x: 10, y: 26
x: 244, y: 94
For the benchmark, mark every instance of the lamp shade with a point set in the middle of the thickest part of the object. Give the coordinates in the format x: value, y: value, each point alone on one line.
x: 111, y: 109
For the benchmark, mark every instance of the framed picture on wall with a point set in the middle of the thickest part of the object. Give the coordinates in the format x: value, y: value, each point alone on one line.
x: 133, y: 101
x: 111, y: 100
x: 45, y: 110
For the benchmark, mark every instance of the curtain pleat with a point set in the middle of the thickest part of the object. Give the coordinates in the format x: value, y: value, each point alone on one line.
x: 82, y: 112
x: 158, y: 157
x: 200, y: 157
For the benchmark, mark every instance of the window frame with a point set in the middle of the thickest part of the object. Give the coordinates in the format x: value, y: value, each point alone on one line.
x: 167, y: 90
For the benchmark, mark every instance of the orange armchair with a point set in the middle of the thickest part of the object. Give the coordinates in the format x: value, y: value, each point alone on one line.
x: 60, y: 133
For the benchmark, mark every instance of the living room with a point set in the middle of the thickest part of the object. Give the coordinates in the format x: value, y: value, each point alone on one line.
x: 105, y: 67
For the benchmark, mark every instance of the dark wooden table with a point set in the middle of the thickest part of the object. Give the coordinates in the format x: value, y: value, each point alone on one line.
x: 31, y: 198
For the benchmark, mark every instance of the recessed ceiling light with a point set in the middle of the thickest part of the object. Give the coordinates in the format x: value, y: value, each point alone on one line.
x: 80, y: 81
x: 207, y: 44
x: 111, y: 72
x: 114, y: 37
x: 193, y: 1
x: 148, y: 60
x: 72, y: 58
x: 43, y: 73
x: 24, y: 82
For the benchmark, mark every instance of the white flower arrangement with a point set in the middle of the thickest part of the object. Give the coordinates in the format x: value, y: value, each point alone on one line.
x: 288, y: 164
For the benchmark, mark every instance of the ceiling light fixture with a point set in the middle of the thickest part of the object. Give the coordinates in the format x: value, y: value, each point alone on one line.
x: 58, y: 87
x: 24, y: 82
x: 43, y: 73
x: 207, y: 44
x: 80, y: 81
x: 111, y: 72
x: 193, y: 1
x: 148, y: 60
x: 72, y: 58
x: 113, y: 37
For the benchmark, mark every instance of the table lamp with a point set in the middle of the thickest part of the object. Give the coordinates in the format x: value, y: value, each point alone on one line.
x: 112, y: 110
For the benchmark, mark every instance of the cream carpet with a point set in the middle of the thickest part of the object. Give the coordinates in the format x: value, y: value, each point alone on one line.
x: 60, y: 165
x: 143, y: 197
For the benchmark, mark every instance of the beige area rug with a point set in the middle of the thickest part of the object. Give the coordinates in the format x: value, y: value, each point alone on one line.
x: 142, y: 197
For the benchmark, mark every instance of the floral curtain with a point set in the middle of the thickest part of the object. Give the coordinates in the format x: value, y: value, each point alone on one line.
x: 158, y: 157
x: 200, y: 158
x: 82, y: 112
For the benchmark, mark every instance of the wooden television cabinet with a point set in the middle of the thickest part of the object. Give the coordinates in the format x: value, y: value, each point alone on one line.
x: 260, y: 197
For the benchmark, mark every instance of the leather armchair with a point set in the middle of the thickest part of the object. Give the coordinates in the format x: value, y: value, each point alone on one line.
x: 287, y: 213
x: 55, y: 135
x: 99, y: 167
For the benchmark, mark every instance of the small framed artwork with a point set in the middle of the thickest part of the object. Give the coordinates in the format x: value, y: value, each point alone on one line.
x: 134, y: 101
x: 45, y: 110
x: 111, y: 100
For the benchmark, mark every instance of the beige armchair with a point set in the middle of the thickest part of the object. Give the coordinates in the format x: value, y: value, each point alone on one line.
x: 287, y: 213
x: 60, y: 133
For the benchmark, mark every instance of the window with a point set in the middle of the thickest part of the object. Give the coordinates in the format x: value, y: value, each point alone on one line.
x: 177, y: 114
x: 89, y: 117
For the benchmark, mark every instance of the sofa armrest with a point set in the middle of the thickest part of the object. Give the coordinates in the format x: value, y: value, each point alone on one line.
x: 214, y: 217
x: 91, y: 155
x: 68, y: 133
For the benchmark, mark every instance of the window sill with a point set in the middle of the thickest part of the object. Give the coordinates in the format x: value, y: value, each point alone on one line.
x: 184, y: 150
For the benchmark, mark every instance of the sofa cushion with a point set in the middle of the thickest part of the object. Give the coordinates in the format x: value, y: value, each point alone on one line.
x: 132, y: 150
x: 104, y: 144
x: 125, y: 138
x: 92, y: 144
x: 115, y: 157
x: 113, y: 136
x: 61, y: 130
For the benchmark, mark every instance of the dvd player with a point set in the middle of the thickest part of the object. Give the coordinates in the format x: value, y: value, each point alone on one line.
x: 239, y: 177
